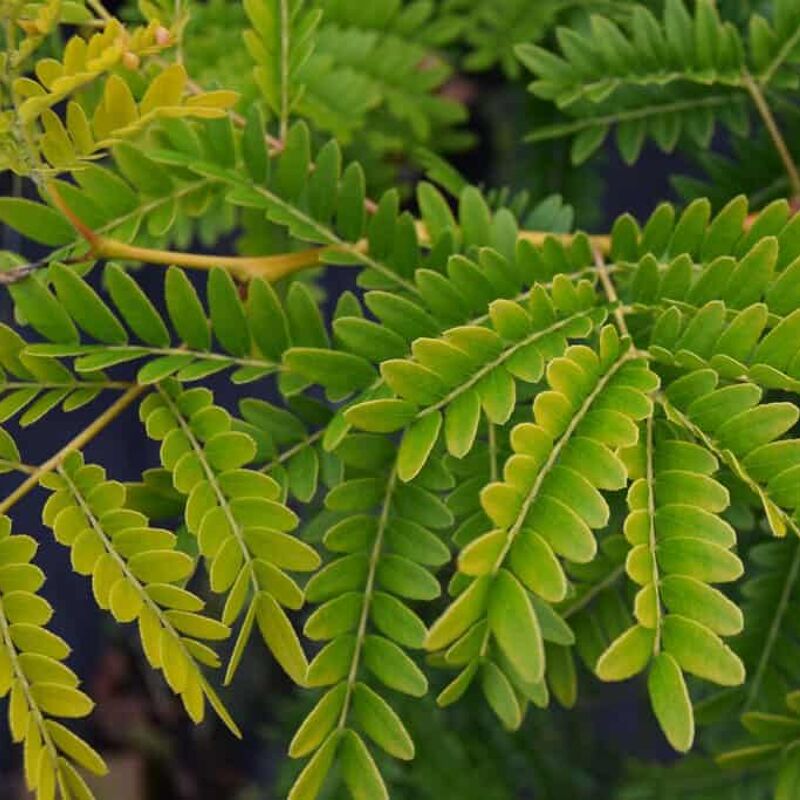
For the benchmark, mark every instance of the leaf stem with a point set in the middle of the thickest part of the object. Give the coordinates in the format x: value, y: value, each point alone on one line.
x: 493, y: 471
x: 100, y: 10
x: 77, y: 442
x: 595, y: 590
x: 17, y: 466
x: 273, y: 267
x: 80, y: 226
x: 611, y: 292
x: 284, y: 113
x: 361, y: 632
x: 651, y: 534
x: 308, y: 441
x: 774, y: 131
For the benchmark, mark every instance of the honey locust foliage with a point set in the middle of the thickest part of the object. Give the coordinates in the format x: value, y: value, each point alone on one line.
x: 508, y: 463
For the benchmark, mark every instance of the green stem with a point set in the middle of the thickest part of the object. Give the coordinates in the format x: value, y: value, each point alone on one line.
x: 651, y: 514
x: 774, y: 628
x: 369, y: 587
x: 493, y: 472
x: 287, y: 454
x: 100, y: 10
x: 595, y: 590
x: 781, y: 56
x: 284, y: 114
x: 610, y: 292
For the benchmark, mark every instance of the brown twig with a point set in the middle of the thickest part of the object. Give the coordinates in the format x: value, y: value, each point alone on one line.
x: 774, y: 131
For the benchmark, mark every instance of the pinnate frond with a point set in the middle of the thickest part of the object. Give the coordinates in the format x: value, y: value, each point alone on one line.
x: 34, y: 386
x: 678, y: 547
x: 246, y: 337
x: 242, y: 527
x: 138, y: 575
x: 450, y: 380
x: 83, y: 62
x: 546, y: 507
x: 40, y: 687
x: 119, y: 116
x: 384, y: 549
x: 653, y: 78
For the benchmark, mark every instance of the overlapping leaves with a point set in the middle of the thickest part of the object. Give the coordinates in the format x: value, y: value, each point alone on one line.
x: 138, y: 575
x: 242, y: 527
x: 384, y: 549
x: 678, y: 546
x: 544, y: 509
x: 250, y: 336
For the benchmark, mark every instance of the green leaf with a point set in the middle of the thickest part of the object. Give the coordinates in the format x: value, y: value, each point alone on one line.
x: 186, y: 311
x: 380, y: 722
x: 61, y: 701
x: 459, y: 616
x: 338, y: 371
x: 281, y: 638
x: 309, y: 782
x: 395, y: 620
x: 350, y: 213
x: 319, y: 723
x: 671, y: 703
x: 161, y: 566
x: 254, y: 146
x: 627, y: 655
x: 36, y: 221
x: 136, y: 308
x: 461, y: 423
x: 268, y: 322
x: 702, y: 603
x: 290, y: 177
x: 500, y: 695
x: 416, y: 445
x: 359, y: 770
x: 227, y: 313
x: 515, y: 627
x: 42, y: 311
x: 393, y: 667
x: 434, y: 210
x: 381, y: 416
x: 85, y: 307
x: 700, y: 652
x: 788, y: 784
x: 475, y: 218
x: 73, y: 746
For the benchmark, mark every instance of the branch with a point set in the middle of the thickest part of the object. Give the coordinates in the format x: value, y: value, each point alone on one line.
x: 774, y: 131
x: 611, y: 292
x: 273, y: 267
